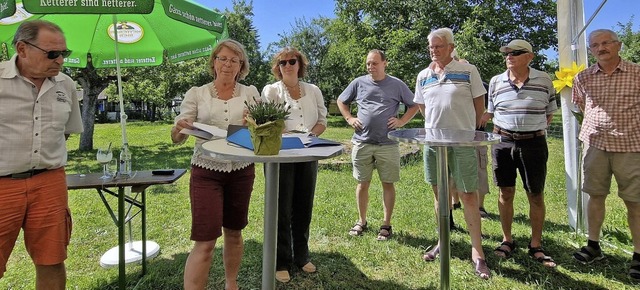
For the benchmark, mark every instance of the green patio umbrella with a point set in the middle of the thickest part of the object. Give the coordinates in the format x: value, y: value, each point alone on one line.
x: 145, y: 31
x: 120, y: 33
x: 182, y: 29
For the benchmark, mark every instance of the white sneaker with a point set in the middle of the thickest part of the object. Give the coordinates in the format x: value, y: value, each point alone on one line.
x: 283, y: 276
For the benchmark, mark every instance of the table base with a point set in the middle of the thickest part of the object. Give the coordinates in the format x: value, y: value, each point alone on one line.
x: 132, y: 254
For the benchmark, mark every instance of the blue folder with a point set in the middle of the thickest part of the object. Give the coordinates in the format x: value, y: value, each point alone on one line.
x: 241, y: 137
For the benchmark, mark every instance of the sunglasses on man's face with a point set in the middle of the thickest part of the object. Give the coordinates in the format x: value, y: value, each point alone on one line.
x: 514, y: 52
x: 292, y: 61
x: 52, y: 54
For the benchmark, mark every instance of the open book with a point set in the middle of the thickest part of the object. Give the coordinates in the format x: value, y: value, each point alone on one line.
x: 204, y: 131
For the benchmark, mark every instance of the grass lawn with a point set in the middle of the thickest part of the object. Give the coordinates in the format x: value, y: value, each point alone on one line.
x: 344, y: 262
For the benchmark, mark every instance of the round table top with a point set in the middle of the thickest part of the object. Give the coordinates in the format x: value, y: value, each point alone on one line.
x: 444, y: 137
x: 221, y: 149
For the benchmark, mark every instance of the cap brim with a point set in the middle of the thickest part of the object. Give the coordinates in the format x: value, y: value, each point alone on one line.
x: 514, y: 47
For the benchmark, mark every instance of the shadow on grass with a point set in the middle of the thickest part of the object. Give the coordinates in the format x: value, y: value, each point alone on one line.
x: 335, y: 271
x: 524, y: 269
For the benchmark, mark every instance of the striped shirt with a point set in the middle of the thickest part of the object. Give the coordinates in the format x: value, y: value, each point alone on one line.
x: 448, y: 98
x: 611, y: 107
x: 522, y: 109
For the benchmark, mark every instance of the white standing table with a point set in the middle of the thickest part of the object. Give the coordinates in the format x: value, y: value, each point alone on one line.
x: 223, y: 150
x: 441, y: 139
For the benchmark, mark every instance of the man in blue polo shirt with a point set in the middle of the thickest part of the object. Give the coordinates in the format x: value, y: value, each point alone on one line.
x: 521, y: 103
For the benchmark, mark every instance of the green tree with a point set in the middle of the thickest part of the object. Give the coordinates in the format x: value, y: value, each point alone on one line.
x: 241, y: 28
x: 630, y: 40
x: 401, y: 27
x: 157, y: 86
x: 311, y: 39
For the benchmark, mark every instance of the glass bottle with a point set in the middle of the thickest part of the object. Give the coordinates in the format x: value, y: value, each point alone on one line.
x: 125, y: 161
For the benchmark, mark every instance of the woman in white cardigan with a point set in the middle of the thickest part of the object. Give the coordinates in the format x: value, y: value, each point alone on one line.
x: 297, y: 180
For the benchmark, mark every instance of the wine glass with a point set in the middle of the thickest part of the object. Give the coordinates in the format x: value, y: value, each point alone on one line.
x: 104, y: 156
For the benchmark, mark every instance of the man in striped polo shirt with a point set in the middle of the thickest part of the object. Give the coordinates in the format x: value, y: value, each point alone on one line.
x: 450, y: 95
x: 521, y: 103
x: 609, y: 95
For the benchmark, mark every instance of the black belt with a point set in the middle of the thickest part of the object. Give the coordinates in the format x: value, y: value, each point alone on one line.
x: 518, y: 135
x: 26, y: 174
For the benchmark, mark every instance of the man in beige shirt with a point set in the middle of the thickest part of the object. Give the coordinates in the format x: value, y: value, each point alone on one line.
x: 39, y: 110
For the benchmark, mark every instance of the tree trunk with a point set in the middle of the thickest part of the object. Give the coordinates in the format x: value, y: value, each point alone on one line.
x: 88, y: 119
x: 153, y: 112
x: 92, y: 84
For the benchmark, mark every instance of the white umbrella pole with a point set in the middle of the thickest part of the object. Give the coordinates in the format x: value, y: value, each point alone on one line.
x: 123, y: 115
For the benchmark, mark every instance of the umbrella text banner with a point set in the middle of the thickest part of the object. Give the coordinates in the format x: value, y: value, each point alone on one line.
x: 89, y: 6
x: 7, y: 8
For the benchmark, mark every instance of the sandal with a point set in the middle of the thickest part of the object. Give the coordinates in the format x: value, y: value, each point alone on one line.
x: 481, y: 268
x: 431, y: 255
x: 545, y: 260
x: 634, y: 269
x: 501, y: 252
x: 384, y: 233
x: 588, y: 255
x: 358, y: 229
x: 483, y: 213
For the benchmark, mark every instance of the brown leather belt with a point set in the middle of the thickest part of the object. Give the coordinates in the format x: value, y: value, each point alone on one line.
x: 518, y: 135
x: 26, y: 174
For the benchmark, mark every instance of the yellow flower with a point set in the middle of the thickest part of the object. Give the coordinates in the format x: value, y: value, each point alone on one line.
x: 565, y: 76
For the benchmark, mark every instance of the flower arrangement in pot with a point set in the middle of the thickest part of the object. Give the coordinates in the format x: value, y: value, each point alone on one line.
x: 266, y: 123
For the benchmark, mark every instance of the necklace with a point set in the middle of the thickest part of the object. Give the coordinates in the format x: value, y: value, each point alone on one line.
x: 288, y: 86
x: 214, y: 92
x: 288, y: 92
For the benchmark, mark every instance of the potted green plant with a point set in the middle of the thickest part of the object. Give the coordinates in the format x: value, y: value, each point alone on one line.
x: 266, y: 123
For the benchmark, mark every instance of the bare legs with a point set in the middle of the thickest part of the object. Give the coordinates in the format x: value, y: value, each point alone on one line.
x: 51, y: 277
x: 537, y: 212
x: 633, y: 217
x: 196, y: 270
x: 472, y: 218
x: 232, y: 256
x: 596, y: 210
x: 505, y: 207
x: 362, y: 198
x: 388, y: 201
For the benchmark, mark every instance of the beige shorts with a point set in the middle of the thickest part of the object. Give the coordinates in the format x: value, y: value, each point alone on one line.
x: 600, y: 165
x: 386, y: 158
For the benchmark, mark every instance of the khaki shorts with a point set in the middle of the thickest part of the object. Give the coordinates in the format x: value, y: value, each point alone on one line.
x: 600, y: 165
x: 39, y: 206
x: 386, y: 158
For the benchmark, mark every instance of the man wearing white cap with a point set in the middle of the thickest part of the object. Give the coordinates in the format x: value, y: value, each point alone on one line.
x: 521, y: 103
